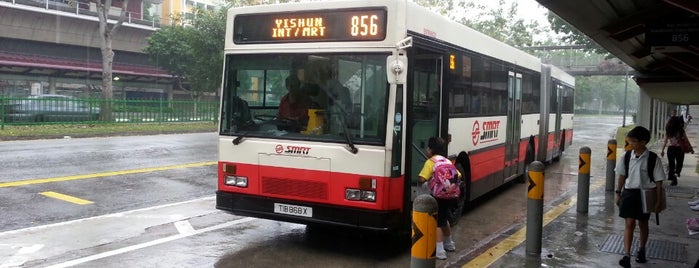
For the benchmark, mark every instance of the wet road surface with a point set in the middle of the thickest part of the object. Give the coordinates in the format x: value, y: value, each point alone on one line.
x: 166, y: 218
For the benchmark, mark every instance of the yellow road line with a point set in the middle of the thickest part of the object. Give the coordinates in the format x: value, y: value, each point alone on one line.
x: 104, y: 174
x: 67, y: 198
x: 496, y: 252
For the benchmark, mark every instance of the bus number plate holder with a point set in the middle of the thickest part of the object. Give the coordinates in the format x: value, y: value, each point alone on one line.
x: 293, y: 210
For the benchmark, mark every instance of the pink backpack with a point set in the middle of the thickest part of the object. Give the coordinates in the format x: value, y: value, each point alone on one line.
x: 443, y: 184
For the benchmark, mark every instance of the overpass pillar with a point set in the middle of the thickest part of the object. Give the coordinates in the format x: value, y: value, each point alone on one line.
x: 52, y: 85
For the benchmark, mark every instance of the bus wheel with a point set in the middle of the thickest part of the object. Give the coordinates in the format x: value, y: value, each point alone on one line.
x: 463, y: 164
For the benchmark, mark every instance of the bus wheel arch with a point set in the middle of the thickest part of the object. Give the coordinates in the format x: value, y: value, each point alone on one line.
x: 463, y: 164
x: 529, y: 157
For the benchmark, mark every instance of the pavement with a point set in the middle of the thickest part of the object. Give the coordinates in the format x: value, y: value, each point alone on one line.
x: 595, y: 238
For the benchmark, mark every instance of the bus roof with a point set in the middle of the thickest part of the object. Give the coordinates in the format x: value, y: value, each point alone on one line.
x: 404, y: 18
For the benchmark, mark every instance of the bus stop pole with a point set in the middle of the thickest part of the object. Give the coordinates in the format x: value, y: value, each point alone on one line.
x: 535, y: 207
x: 611, y: 163
x: 424, y: 235
x: 584, y: 179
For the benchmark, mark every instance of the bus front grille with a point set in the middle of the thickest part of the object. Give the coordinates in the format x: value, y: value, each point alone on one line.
x: 289, y: 187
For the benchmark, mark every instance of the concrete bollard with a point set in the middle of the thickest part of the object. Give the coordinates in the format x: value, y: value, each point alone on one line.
x: 424, y: 237
x: 584, y: 179
x: 535, y: 207
x: 611, y: 163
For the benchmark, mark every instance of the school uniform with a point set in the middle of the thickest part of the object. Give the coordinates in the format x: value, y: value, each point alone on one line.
x: 630, y: 205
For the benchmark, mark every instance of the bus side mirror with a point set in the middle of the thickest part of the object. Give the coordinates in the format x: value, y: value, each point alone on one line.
x: 397, y: 69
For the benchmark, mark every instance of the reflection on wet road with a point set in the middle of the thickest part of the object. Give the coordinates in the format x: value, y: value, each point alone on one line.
x: 167, y: 218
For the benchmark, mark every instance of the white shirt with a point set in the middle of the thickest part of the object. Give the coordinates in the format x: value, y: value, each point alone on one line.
x: 638, y: 171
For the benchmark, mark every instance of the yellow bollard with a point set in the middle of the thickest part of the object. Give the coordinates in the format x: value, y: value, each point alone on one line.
x: 584, y: 179
x: 611, y: 164
x: 424, y: 235
x: 535, y: 208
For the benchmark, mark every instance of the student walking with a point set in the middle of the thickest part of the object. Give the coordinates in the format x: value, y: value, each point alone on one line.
x: 436, y: 152
x: 674, y: 133
x: 628, y: 193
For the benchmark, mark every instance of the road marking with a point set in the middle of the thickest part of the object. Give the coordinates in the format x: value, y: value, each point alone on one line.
x: 184, y: 227
x: 67, y: 198
x: 150, y: 243
x: 99, y: 175
x: 113, y: 215
x: 499, y: 250
x: 17, y: 260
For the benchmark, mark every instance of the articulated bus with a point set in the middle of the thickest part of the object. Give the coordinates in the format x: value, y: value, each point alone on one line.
x: 368, y: 83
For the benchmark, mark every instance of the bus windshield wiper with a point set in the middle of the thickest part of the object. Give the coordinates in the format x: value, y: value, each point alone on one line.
x: 239, y: 139
x: 351, y: 148
x: 348, y: 138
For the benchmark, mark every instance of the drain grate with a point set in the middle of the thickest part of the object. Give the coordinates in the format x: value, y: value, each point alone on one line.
x: 655, y: 249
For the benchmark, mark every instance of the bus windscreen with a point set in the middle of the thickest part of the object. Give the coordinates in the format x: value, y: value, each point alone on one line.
x: 367, y: 24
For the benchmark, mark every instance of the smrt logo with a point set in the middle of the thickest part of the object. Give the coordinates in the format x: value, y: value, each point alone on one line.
x: 291, y: 149
x: 475, y: 132
x: 485, y: 132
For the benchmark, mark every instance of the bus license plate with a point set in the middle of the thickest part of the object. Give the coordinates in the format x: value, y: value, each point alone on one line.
x: 293, y: 210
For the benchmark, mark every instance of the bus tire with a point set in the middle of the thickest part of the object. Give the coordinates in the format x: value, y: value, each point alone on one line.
x: 463, y: 164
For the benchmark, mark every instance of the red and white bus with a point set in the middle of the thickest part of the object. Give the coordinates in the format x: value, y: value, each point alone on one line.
x: 373, y: 81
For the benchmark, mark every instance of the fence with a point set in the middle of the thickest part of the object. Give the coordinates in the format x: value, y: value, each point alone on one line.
x: 57, y: 109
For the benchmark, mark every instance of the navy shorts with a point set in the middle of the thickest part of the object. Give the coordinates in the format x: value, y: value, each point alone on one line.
x: 444, y: 211
x: 630, y: 205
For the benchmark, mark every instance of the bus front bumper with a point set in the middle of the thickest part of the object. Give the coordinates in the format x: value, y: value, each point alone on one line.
x: 263, y: 207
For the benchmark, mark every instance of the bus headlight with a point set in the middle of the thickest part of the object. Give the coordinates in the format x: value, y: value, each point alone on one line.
x: 237, y: 181
x: 360, y: 195
x: 369, y: 196
x: 353, y: 194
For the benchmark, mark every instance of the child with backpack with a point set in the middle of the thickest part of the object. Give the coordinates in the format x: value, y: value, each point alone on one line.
x: 443, y: 180
x: 640, y: 169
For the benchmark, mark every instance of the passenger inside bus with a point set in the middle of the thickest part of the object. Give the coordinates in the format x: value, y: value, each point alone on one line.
x: 293, y: 107
x: 326, y: 92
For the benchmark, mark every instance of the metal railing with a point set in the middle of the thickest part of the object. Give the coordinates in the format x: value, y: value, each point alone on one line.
x: 56, y: 109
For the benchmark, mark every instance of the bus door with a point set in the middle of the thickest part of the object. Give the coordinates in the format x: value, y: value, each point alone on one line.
x: 514, y: 124
x: 556, y: 108
x: 424, y: 109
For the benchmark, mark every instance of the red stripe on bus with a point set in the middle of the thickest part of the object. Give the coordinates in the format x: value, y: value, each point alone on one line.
x: 313, y: 186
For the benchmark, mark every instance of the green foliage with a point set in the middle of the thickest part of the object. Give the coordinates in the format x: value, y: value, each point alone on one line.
x: 500, y: 23
x: 192, y: 49
x: 60, y: 131
x: 570, y: 35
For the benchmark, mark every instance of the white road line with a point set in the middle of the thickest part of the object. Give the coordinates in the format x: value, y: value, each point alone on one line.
x: 148, y: 244
x: 113, y: 215
x: 184, y: 227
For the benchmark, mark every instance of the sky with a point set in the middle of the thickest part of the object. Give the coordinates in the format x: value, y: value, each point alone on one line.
x: 527, y: 9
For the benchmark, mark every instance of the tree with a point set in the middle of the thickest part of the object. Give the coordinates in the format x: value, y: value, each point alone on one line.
x: 169, y: 49
x: 191, y: 50
x: 107, y: 31
x: 571, y: 35
x: 500, y: 23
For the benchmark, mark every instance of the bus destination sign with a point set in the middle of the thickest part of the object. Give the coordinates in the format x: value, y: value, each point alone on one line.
x: 316, y: 26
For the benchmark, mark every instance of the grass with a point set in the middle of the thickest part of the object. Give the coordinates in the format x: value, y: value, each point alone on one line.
x: 100, y: 130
